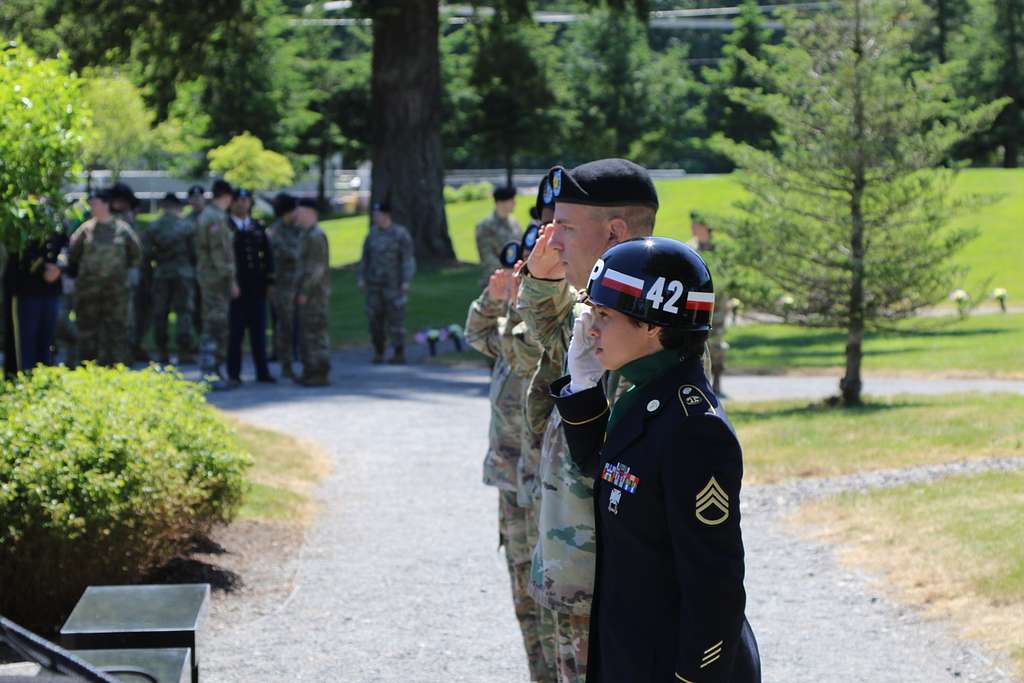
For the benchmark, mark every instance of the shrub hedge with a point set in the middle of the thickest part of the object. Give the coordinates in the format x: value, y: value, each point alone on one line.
x: 469, y: 192
x: 104, y: 475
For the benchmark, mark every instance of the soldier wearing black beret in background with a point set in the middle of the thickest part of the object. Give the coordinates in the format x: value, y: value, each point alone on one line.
x: 254, y: 272
x: 495, y: 231
x: 669, y: 599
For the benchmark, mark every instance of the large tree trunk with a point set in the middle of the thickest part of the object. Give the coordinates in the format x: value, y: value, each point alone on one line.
x: 408, y: 167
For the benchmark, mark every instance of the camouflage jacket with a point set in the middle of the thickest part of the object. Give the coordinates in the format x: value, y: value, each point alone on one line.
x: 285, y: 243
x: 388, y: 259
x: 493, y: 233
x: 488, y: 331
x: 169, y: 247
x: 314, y: 280
x: 101, y: 257
x: 564, y: 560
x: 215, y: 249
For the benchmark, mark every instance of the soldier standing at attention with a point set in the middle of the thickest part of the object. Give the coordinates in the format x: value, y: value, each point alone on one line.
x: 215, y: 273
x: 123, y: 205
x: 104, y: 257
x: 669, y: 601
x: 703, y: 243
x: 597, y: 205
x: 197, y: 202
x: 172, y: 252
x: 495, y: 231
x: 385, y: 272
x: 284, y: 239
x: 313, y: 297
x: 254, y: 272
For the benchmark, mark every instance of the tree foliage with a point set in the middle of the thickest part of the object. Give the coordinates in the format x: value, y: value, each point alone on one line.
x: 244, y: 162
x: 850, y: 218
x: 120, y: 123
x: 42, y: 127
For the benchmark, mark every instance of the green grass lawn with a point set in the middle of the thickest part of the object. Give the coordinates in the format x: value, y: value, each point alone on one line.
x: 953, y: 547
x: 786, y: 439
x: 982, y: 345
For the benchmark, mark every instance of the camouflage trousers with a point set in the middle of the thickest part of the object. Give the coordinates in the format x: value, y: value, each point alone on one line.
x: 142, y: 310
x: 102, y: 318
x: 283, y: 302
x: 572, y: 637
x: 385, y: 309
x: 513, y: 525
x: 213, y: 341
x: 173, y: 294
x: 314, y: 343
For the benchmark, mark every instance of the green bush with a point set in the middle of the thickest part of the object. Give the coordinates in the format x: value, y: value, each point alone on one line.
x: 451, y: 195
x: 105, y: 474
x: 471, y: 192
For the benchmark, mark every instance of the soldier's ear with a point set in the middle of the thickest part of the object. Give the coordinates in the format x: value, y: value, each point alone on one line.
x: 618, y: 231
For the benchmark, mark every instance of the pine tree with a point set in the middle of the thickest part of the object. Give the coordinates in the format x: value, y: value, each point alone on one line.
x: 850, y: 217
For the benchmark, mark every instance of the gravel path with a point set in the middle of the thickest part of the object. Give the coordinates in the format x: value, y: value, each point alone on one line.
x: 400, y: 578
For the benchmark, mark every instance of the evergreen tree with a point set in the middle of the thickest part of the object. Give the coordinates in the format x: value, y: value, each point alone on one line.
x: 940, y: 28
x: 850, y: 217
x: 723, y: 114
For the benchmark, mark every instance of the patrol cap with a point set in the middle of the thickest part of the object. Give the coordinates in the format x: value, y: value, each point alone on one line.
x: 383, y: 206
x: 170, y: 198
x: 283, y: 203
x: 307, y: 202
x: 504, y: 192
x: 221, y: 188
x: 510, y: 254
x: 605, y: 182
x: 655, y: 280
x: 197, y: 191
x: 104, y: 195
x: 242, y: 193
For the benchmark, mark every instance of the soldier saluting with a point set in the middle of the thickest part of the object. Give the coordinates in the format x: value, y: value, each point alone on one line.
x: 669, y: 600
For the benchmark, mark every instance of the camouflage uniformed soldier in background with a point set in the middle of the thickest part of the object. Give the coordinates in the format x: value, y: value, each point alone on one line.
x: 494, y: 328
x: 104, y: 257
x: 313, y: 297
x: 285, y: 240
x: 123, y: 205
x: 197, y: 202
x: 385, y: 272
x: 703, y: 242
x: 215, y: 273
x: 606, y: 202
x: 172, y: 253
x: 495, y: 231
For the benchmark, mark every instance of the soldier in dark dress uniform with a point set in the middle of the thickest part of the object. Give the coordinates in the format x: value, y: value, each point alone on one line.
x: 254, y: 271
x: 669, y: 599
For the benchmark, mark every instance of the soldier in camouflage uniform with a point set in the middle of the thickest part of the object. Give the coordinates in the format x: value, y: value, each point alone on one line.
x: 605, y: 202
x: 215, y: 274
x: 171, y: 251
x: 385, y: 273
x: 284, y: 243
x: 702, y: 242
x: 104, y: 257
x: 313, y: 297
x: 124, y: 205
x: 197, y: 202
x: 495, y: 231
x: 494, y: 328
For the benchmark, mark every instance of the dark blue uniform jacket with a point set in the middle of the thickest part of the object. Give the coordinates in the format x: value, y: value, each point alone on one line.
x: 669, y: 599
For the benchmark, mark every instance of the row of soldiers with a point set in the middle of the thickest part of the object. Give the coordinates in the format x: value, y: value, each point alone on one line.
x: 215, y: 268
x: 528, y: 312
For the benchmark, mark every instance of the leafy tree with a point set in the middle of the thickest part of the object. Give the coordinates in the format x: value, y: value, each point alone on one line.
x: 993, y: 50
x: 850, y: 218
x: 725, y: 115
x: 41, y: 131
x: 510, y: 77
x: 178, y: 144
x: 244, y: 162
x: 120, y: 123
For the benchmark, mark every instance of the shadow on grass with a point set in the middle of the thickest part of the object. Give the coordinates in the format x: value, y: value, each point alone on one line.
x: 739, y: 414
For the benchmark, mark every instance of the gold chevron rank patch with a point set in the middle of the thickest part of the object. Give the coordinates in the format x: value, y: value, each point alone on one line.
x: 712, y: 504
x: 712, y: 654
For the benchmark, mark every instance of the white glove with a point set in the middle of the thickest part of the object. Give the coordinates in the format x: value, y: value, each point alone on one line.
x: 585, y: 369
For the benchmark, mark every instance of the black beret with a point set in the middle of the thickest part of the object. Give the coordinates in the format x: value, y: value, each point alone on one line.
x: 196, y: 191
x: 605, y: 182
x: 123, y: 191
x: 221, y: 187
x: 170, y: 198
x: 242, y: 193
x: 307, y: 202
x: 500, y: 194
x: 384, y: 206
x: 104, y: 195
x: 535, y: 213
x: 284, y: 203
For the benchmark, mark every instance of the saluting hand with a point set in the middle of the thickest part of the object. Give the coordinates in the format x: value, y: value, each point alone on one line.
x: 499, y: 286
x: 544, y: 262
